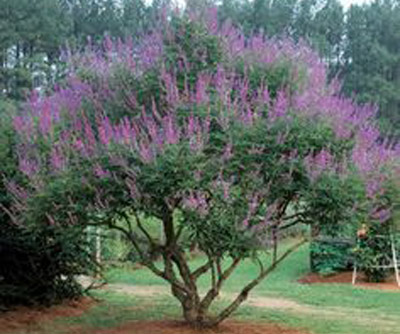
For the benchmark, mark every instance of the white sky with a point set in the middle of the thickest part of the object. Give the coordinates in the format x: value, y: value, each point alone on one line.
x: 347, y: 3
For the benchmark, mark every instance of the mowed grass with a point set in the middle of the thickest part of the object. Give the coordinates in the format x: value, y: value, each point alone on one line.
x: 341, y: 308
x: 282, y: 283
x: 319, y: 308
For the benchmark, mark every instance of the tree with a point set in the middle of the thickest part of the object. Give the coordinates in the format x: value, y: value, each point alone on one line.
x: 135, y: 17
x: 224, y: 141
x: 32, y: 32
x: 372, y: 57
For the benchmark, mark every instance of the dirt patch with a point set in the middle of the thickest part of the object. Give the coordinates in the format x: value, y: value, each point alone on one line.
x: 140, y: 291
x: 29, y: 319
x: 174, y: 327
x: 346, y: 278
x: 276, y: 303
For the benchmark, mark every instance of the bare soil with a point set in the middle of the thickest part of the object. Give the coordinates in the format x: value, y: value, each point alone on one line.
x: 346, y: 277
x: 174, y: 327
x: 30, y: 318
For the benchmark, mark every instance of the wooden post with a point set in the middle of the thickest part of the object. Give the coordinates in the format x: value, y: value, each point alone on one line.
x: 354, y: 274
x: 396, y: 268
x: 98, y: 246
x: 354, y: 279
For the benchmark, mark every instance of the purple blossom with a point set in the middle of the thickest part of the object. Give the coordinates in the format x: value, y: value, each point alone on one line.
x: 201, y: 86
x: 17, y: 191
x: 126, y: 131
x: 83, y: 136
x: 45, y: 119
x: 227, y: 155
x: 105, y: 131
x: 151, y: 49
x: 212, y: 20
x: 265, y: 96
x: 196, y: 201
x: 171, y: 88
x: 145, y: 152
x: 220, y: 82
x: 170, y: 129
x: 57, y: 158
x: 89, y: 135
x: 132, y: 188
x: 100, y: 172
x: 383, y: 215
x: 280, y: 107
x: 319, y: 163
x: 30, y: 167
x: 191, y: 127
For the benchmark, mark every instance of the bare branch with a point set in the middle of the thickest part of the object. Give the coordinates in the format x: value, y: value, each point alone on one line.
x: 245, y: 291
x: 202, y: 270
x: 143, y: 230
x: 295, y: 215
x: 284, y: 227
x: 222, y: 277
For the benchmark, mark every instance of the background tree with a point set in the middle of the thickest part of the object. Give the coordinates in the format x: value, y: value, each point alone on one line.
x: 31, y: 35
x: 371, y: 57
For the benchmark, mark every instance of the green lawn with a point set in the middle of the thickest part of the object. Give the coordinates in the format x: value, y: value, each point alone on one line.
x: 327, y: 308
x: 319, y: 308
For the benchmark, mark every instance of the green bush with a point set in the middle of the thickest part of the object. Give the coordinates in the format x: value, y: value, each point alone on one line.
x: 374, y: 250
x: 329, y: 256
x: 38, y: 262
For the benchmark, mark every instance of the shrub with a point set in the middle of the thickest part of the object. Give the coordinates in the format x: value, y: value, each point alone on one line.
x: 38, y: 261
x: 205, y: 150
x: 329, y: 256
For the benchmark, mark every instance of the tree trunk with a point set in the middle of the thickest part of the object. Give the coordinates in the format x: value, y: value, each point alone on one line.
x: 196, y: 317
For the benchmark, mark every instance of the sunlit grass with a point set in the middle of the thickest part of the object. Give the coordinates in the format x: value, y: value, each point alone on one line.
x: 323, y: 308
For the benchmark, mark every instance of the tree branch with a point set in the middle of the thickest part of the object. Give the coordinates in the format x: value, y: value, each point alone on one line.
x: 222, y: 277
x: 284, y: 227
x: 295, y: 215
x: 143, y: 230
x: 245, y: 291
x: 202, y: 270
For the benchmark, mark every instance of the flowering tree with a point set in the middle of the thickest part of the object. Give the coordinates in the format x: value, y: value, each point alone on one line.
x: 222, y: 139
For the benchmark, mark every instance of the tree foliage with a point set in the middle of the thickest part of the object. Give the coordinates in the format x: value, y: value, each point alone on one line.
x: 359, y: 44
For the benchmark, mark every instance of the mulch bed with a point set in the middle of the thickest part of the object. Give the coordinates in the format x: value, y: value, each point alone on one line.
x: 30, y: 318
x: 174, y: 327
x: 346, y: 278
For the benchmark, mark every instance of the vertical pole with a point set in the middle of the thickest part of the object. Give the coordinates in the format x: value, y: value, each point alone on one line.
x: 98, y: 251
x: 396, y: 268
x: 354, y: 279
x: 98, y: 246
x: 354, y: 274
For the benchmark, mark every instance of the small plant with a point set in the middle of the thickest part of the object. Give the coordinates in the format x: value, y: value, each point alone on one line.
x: 331, y: 256
x: 374, y: 252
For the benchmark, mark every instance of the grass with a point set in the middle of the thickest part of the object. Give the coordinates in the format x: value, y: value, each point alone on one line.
x: 283, y: 283
x: 367, y: 306
x: 321, y: 308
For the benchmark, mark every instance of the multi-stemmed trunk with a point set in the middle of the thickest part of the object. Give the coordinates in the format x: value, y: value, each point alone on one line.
x: 183, y: 280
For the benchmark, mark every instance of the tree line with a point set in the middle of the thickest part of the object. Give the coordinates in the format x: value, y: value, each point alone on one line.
x: 360, y: 44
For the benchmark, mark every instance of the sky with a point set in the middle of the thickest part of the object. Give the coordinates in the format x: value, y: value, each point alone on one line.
x: 347, y: 3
